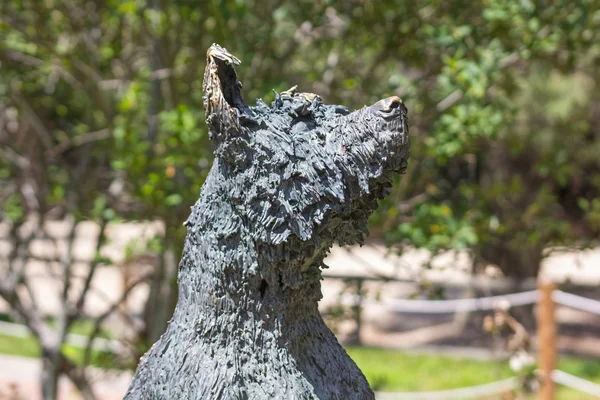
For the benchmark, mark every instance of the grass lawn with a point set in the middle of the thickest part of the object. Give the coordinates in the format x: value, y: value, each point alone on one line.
x: 79, y: 327
x: 392, y: 370
x: 15, y: 346
x: 395, y: 371
x: 387, y: 370
x: 28, y: 347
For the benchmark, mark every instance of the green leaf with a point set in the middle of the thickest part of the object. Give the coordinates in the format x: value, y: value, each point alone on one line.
x: 173, y: 199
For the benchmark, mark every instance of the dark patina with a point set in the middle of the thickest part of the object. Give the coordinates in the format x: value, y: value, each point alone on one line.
x: 287, y: 182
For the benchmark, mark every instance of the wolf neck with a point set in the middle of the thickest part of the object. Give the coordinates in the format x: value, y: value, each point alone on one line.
x: 223, y: 279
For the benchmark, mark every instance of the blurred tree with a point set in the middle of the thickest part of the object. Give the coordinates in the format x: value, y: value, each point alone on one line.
x: 498, y: 159
x: 101, y: 114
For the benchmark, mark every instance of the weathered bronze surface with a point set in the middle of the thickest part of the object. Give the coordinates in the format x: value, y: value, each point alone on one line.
x: 287, y: 182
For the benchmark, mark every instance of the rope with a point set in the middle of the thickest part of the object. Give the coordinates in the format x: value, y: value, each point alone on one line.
x: 574, y: 382
x: 577, y: 302
x: 471, y: 392
x: 451, y: 306
x: 482, y: 303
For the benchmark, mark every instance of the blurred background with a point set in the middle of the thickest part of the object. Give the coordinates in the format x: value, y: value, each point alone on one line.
x: 103, y: 149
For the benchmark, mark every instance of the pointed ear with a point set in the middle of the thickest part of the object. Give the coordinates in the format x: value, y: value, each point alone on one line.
x: 222, y: 94
x: 224, y: 106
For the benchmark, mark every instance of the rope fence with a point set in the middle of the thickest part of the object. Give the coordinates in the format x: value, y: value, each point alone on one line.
x: 488, y: 303
x: 547, y: 297
x: 456, y: 305
x: 576, y: 302
x: 574, y: 382
x: 471, y: 392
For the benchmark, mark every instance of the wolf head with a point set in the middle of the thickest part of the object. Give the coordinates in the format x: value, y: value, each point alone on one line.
x: 299, y: 168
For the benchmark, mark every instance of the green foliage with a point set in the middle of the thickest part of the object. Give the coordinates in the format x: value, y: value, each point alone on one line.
x: 433, y: 226
x: 500, y: 96
x: 12, y: 209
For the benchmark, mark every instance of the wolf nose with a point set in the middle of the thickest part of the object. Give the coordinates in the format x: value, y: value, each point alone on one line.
x: 389, y: 104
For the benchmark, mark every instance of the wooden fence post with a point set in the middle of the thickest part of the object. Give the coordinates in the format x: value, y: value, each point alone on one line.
x: 546, y: 321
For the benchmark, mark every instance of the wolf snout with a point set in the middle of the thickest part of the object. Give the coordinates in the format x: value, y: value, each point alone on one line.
x: 389, y: 106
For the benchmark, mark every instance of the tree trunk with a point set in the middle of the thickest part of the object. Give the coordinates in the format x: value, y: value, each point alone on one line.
x: 520, y: 263
x: 78, y: 377
x: 50, y: 373
x: 159, y: 304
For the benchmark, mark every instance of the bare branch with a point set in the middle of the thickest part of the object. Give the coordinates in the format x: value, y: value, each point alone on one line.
x: 509, y: 60
x: 411, y: 203
x: 15, y: 158
x: 107, y: 299
x: 30, y: 316
x: 6, y: 191
x: 100, y: 319
x: 27, y: 286
x: 63, y: 321
x: 110, y: 84
x: 16, y: 258
x: 450, y: 100
x: 23, y: 58
x: 56, y: 260
x: 93, y: 266
x: 34, y: 119
x: 78, y: 141
x: 29, y: 194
